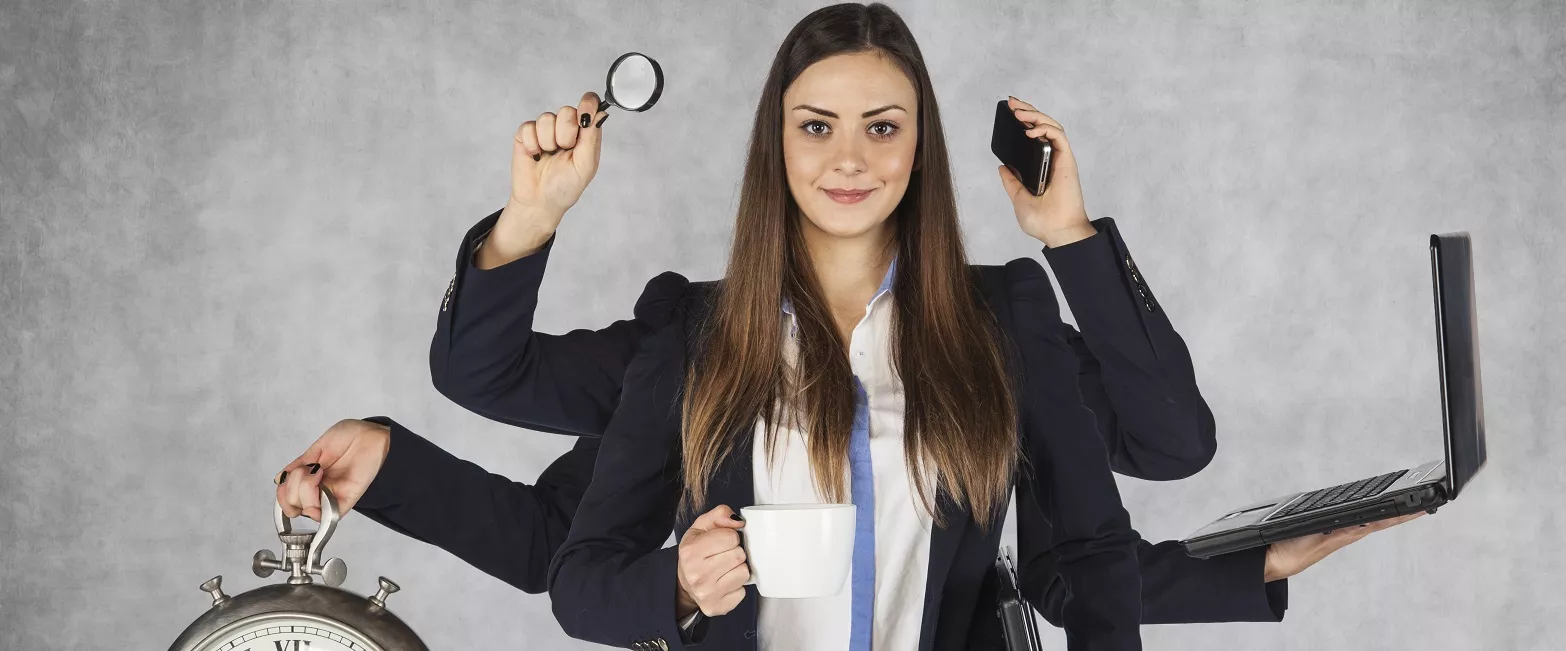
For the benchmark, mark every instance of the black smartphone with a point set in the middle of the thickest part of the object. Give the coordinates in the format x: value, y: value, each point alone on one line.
x: 1027, y: 157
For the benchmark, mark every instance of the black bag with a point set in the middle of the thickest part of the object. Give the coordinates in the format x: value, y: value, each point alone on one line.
x: 1016, y: 614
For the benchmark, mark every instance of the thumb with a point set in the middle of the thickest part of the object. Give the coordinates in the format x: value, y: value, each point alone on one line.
x: 589, y: 144
x: 720, y: 516
x: 1009, y: 182
x: 311, y: 455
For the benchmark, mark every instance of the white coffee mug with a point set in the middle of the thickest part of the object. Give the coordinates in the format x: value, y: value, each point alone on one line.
x: 798, y: 550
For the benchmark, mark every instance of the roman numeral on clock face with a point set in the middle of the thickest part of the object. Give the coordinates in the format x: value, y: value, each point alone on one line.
x: 291, y: 645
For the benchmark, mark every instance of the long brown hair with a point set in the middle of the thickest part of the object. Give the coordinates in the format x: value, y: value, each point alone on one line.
x: 960, y: 413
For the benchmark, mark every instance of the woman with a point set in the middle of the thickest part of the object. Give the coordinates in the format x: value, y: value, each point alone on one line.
x: 1122, y: 454
x: 849, y: 323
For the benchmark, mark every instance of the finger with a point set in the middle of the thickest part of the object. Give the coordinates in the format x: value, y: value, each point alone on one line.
x: 311, y: 454
x: 288, y: 494
x: 1392, y: 522
x: 307, y: 492
x: 590, y: 141
x: 719, y: 514
x: 727, y: 603
x: 546, y: 133
x: 1056, y: 137
x: 1015, y: 103
x: 590, y: 105
x: 1035, y: 118
x: 714, y: 542
x: 725, y: 561
x: 285, y: 499
x: 527, y: 138
x: 733, y: 579
x: 567, y: 127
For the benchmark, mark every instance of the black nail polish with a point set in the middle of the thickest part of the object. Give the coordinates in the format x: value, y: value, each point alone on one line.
x: 535, y: 156
x: 314, y: 467
x: 587, y: 118
x: 602, y: 120
x: 736, y: 516
x: 282, y: 477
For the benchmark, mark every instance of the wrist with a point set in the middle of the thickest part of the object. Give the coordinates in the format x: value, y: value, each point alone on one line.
x: 1062, y: 236
x: 1270, y: 570
x: 684, y: 605
x: 519, y: 232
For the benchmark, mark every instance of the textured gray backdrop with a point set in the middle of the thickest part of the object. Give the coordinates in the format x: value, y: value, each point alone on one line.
x: 228, y: 225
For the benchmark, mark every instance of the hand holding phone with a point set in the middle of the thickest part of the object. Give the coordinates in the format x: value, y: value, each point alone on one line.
x: 1035, y: 154
x: 1026, y: 157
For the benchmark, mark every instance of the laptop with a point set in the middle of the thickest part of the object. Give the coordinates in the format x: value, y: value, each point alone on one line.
x: 1421, y: 488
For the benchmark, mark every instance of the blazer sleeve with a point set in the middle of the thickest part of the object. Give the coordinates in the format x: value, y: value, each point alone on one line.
x: 1176, y: 588
x: 504, y: 528
x: 1068, y: 471
x: 1137, y: 374
x: 612, y: 582
x: 486, y: 357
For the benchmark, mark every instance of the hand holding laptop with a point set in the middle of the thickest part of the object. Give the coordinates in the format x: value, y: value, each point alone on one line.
x: 1287, y: 558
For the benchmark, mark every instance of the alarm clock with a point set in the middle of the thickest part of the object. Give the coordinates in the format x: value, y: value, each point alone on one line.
x: 299, y: 615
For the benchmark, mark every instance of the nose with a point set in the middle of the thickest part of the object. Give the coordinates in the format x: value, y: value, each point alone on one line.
x: 850, y: 157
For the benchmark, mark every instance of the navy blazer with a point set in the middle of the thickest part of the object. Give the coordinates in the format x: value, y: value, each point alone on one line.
x: 613, y: 581
x: 485, y: 356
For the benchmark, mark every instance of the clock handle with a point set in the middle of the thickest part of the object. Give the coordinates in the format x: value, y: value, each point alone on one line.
x: 333, y: 570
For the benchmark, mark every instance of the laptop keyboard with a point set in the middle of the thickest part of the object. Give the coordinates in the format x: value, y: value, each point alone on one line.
x: 1333, y: 496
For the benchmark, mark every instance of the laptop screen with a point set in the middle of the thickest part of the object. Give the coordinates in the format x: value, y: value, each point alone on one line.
x: 1457, y: 332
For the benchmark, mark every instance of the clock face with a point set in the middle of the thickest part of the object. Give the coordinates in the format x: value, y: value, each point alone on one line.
x: 288, y: 633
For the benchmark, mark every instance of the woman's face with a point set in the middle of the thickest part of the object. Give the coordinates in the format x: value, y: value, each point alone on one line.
x: 850, y: 123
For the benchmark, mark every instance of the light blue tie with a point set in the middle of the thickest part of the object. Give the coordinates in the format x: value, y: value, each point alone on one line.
x: 863, y: 495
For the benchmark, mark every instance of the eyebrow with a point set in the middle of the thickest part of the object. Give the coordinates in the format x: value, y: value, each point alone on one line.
x: 866, y: 114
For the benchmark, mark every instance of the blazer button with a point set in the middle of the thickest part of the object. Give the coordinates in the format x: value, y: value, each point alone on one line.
x: 662, y: 645
x: 1150, y: 304
x: 1136, y: 277
x: 1129, y: 265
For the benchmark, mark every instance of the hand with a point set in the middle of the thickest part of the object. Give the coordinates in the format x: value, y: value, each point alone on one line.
x: 553, y: 158
x: 1057, y: 217
x: 1287, y: 558
x: 711, y: 567
x: 346, y: 459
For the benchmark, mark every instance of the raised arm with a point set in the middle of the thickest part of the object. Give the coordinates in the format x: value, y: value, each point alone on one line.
x: 1136, y: 373
x: 486, y: 357
x: 1090, y: 532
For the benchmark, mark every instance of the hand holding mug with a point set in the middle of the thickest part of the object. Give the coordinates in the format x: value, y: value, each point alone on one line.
x: 711, y: 568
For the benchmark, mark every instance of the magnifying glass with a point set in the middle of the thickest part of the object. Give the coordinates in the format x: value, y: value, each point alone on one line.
x: 635, y: 81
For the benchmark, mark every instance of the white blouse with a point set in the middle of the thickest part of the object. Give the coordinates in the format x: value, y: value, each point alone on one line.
x: 902, y: 526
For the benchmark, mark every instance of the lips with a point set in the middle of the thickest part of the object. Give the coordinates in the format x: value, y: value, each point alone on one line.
x: 852, y: 196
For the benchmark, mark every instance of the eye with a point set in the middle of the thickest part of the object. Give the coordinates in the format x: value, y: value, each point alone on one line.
x: 881, y: 130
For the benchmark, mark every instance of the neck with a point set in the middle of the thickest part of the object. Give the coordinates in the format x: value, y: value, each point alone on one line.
x: 850, y: 269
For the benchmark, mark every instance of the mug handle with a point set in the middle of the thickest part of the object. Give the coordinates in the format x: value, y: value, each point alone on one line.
x: 752, y: 579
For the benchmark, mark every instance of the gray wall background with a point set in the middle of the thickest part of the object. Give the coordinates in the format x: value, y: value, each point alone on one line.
x: 228, y: 225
